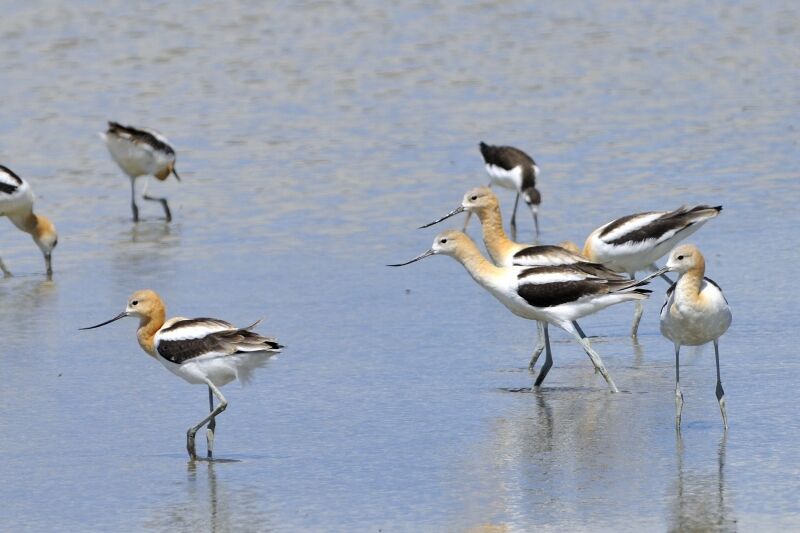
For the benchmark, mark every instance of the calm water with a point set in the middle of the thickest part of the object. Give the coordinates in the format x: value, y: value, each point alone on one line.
x: 313, y: 138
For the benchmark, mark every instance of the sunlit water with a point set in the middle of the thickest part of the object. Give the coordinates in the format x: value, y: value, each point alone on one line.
x: 313, y: 138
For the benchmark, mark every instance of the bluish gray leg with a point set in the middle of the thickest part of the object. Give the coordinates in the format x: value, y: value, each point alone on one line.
x: 6, y: 272
x: 593, y: 356
x: 720, y: 392
x: 212, y: 425
x: 192, y: 431
x: 678, y: 393
x: 134, y: 207
x: 514, y: 220
x: 548, y: 361
x: 537, y: 351
x: 637, y: 314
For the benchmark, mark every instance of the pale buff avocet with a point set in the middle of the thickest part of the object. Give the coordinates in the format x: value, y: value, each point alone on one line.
x: 635, y: 242
x: 695, y: 312
x: 16, y: 203
x: 513, y: 169
x: 141, y: 152
x: 558, y: 295
x: 505, y: 252
x: 199, y: 350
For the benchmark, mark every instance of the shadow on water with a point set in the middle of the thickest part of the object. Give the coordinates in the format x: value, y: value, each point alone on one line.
x: 700, y: 499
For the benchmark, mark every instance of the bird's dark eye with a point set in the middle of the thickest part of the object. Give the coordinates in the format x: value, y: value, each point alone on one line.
x: 474, y: 198
x: 443, y: 241
x: 680, y: 258
x: 134, y: 302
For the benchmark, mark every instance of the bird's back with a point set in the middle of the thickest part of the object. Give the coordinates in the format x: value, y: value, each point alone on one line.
x: 138, y: 152
x: 16, y: 197
x: 200, y: 348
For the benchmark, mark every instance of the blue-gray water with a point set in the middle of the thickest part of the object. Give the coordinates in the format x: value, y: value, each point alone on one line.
x: 312, y: 139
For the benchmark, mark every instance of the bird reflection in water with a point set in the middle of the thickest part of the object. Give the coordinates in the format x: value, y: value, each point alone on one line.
x: 702, y: 502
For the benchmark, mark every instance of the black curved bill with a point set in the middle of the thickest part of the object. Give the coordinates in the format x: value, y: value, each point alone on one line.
x: 176, y: 174
x: 659, y: 272
x: 422, y: 256
x: 457, y: 210
x: 121, y: 315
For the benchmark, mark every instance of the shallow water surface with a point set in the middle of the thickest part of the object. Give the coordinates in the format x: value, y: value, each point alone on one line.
x: 312, y: 139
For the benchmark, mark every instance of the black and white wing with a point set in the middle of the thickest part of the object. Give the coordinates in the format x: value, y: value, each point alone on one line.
x: 653, y: 228
x: 552, y: 286
x: 551, y: 255
x: 186, y: 339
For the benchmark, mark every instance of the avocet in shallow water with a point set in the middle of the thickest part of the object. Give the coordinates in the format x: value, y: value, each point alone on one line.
x: 558, y: 295
x: 506, y: 253
x: 16, y: 203
x: 635, y: 242
x: 202, y: 351
x: 695, y: 312
x: 513, y: 169
x: 141, y: 152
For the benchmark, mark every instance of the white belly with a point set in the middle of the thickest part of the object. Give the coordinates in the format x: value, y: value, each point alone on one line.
x: 508, y: 179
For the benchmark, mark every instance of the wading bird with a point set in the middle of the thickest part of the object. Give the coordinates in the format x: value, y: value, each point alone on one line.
x: 557, y: 295
x: 141, y: 152
x: 505, y: 252
x: 694, y: 313
x: 635, y: 242
x: 200, y: 350
x: 513, y: 169
x: 16, y: 203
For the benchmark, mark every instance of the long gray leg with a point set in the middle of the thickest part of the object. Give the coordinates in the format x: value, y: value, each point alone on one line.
x: 134, y: 207
x: 678, y: 393
x: 720, y: 392
x: 163, y: 201
x: 212, y: 425
x: 594, y: 356
x: 582, y: 334
x: 6, y: 272
x: 537, y: 351
x: 654, y: 268
x: 548, y: 361
x: 637, y: 314
x: 190, y: 433
x: 514, y: 220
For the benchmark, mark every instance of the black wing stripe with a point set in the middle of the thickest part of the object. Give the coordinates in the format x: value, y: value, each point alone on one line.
x: 140, y: 135
x: 9, y: 188
x: 552, y: 294
x: 222, y: 342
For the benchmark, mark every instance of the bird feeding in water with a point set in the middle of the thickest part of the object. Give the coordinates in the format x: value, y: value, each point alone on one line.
x: 202, y: 351
x: 635, y: 242
x: 506, y: 253
x: 557, y: 295
x: 513, y: 169
x: 141, y: 152
x: 695, y: 312
x: 16, y: 203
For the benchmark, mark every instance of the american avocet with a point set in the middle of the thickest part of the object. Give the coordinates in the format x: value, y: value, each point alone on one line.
x: 511, y: 168
x: 141, y: 152
x: 694, y: 313
x: 16, y: 203
x: 558, y: 295
x: 635, y: 242
x: 505, y: 252
x: 199, y: 350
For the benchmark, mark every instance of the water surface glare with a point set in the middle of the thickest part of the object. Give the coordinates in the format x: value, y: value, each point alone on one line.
x: 313, y: 138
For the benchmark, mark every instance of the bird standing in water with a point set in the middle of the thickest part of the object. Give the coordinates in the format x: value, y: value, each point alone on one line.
x: 203, y: 351
x: 694, y: 313
x: 141, y: 152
